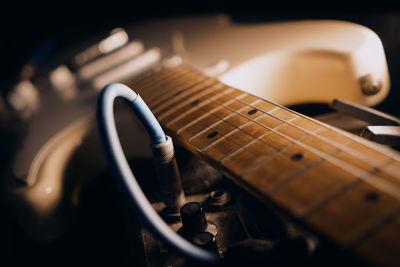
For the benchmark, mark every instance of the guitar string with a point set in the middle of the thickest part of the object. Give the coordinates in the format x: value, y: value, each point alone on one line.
x: 315, y: 206
x: 318, y: 136
x: 387, y: 186
x: 255, y: 138
x: 201, y: 105
x: 227, y: 136
x: 368, y: 177
x: 284, y: 121
x: 345, y: 148
x: 327, y: 197
x: 352, y: 152
x: 338, y: 192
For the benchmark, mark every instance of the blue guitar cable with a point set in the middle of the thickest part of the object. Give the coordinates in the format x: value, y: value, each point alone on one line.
x: 119, y: 164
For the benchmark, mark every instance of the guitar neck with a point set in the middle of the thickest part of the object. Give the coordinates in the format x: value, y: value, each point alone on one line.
x: 338, y: 184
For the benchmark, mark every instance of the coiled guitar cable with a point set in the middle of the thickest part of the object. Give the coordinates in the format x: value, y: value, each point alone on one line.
x: 120, y: 166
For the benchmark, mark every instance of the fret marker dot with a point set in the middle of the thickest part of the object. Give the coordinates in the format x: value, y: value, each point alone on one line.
x: 194, y: 103
x: 296, y: 157
x: 251, y: 112
x: 372, y: 197
x: 212, y: 134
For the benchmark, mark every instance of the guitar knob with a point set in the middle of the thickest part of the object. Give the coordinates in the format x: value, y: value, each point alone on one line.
x: 206, y: 240
x: 193, y: 218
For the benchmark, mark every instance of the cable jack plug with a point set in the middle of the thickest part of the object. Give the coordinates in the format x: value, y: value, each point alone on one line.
x: 168, y: 175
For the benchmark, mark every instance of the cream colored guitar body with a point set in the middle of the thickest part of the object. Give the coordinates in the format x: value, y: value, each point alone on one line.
x: 287, y: 63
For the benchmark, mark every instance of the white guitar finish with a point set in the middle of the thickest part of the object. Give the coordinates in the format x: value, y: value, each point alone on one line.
x: 288, y: 63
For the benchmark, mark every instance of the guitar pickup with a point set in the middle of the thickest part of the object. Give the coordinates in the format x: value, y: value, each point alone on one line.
x: 107, y: 62
x: 129, y: 69
x: 117, y: 39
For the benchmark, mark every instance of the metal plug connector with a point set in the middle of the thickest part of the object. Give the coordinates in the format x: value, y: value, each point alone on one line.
x: 168, y: 174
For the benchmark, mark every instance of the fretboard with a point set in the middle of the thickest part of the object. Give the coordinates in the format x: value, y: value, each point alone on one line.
x: 341, y: 186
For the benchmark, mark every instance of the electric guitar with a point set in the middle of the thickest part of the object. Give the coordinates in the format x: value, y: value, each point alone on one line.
x: 206, y: 80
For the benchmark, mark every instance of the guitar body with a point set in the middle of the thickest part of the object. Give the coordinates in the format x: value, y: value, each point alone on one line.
x: 287, y: 63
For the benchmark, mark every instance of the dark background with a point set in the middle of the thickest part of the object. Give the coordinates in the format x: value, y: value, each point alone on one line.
x: 25, y: 26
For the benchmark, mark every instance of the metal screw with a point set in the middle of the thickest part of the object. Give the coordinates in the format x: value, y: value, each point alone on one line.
x: 369, y: 86
x: 219, y: 198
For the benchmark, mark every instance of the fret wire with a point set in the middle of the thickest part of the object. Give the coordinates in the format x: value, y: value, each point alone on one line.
x: 244, y: 145
x: 352, y: 152
x: 207, y: 113
x: 375, y: 228
x: 366, y: 177
x: 204, y: 130
x: 344, y: 148
x: 310, y: 207
x: 238, y: 112
x: 369, y: 178
x: 251, y: 168
x: 224, y: 118
x: 230, y: 133
x: 375, y: 181
x: 227, y: 135
x: 332, y: 195
x: 383, y: 238
x: 232, y: 114
x: 329, y: 197
x: 293, y: 176
x: 349, y: 226
x: 255, y: 138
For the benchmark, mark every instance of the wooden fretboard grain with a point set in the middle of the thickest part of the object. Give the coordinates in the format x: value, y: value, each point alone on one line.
x: 338, y: 184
